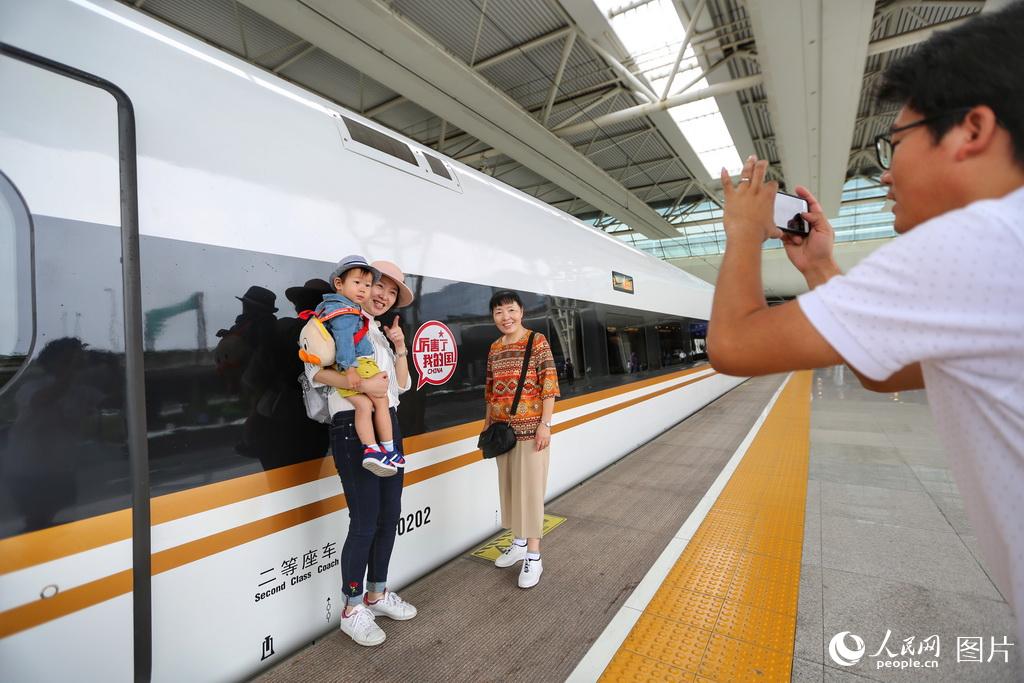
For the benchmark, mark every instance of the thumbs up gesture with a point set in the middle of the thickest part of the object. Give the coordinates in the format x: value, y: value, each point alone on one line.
x: 396, y: 335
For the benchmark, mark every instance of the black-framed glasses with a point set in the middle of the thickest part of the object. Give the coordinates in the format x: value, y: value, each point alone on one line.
x: 884, y: 145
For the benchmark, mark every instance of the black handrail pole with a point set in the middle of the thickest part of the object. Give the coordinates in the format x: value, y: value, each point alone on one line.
x: 135, y: 385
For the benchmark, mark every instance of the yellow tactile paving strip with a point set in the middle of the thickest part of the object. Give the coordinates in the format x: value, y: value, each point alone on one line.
x: 727, y: 610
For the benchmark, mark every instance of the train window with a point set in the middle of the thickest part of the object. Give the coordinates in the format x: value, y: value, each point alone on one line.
x: 627, y: 345
x: 673, y: 343
x: 370, y: 137
x: 15, y: 281
x: 698, y: 339
x: 437, y: 166
x: 565, y: 334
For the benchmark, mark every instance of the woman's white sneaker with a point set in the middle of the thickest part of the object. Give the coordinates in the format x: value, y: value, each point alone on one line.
x: 510, y: 555
x: 360, y: 626
x: 392, y: 607
x: 530, y: 573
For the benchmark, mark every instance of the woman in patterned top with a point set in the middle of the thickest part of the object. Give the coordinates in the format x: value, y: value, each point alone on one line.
x: 523, y: 471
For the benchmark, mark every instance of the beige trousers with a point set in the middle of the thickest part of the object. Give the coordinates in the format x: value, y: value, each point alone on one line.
x: 522, y: 482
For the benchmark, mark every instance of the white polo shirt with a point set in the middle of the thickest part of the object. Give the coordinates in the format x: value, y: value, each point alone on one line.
x: 950, y: 295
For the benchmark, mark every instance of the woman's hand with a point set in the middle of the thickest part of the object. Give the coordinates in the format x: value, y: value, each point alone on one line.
x: 812, y: 254
x: 396, y: 335
x: 376, y: 386
x: 543, y: 438
x: 749, y: 204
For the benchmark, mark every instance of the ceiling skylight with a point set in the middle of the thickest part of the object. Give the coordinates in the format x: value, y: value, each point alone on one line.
x: 652, y: 33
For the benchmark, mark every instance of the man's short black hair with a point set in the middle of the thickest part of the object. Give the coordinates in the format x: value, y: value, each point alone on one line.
x: 979, y: 62
x: 504, y: 297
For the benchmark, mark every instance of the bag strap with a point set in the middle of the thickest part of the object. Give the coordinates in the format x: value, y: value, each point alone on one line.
x: 522, y: 377
x: 347, y: 310
x: 360, y: 333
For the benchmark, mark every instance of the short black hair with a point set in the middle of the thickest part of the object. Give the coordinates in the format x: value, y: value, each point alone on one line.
x: 357, y: 270
x: 504, y: 297
x: 976, y: 63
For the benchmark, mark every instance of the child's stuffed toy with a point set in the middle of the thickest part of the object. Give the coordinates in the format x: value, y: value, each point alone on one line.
x: 316, y: 345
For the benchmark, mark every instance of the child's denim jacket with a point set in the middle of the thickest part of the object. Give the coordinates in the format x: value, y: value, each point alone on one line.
x: 343, y: 328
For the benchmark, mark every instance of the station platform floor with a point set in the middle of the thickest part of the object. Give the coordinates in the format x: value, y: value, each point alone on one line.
x: 741, y: 545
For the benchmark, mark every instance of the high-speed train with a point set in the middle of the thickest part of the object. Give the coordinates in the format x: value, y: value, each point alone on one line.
x: 166, y: 508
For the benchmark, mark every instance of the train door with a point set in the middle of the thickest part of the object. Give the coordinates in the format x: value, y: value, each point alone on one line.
x: 73, y: 580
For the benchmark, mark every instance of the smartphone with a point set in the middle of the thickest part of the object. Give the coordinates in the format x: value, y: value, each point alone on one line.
x: 787, y: 214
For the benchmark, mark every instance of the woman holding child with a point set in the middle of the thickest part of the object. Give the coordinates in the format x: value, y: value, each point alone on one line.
x: 523, y: 471
x: 374, y: 501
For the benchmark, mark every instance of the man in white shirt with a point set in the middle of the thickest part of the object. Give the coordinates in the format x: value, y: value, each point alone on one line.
x: 942, y: 306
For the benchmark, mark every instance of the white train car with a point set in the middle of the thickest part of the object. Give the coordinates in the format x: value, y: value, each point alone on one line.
x: 167, y: 511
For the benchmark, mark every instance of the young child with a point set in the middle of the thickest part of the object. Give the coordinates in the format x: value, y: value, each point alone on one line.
x: 342, y: 315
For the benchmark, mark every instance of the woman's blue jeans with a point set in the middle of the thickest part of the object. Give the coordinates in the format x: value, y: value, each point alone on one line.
x: 374, y: 507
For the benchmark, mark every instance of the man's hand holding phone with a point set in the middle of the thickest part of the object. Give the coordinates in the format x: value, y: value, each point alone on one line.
x: 812, y: 254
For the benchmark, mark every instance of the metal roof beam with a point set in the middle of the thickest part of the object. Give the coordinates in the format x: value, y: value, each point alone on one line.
x: 570, y: 40
x: 687, y: 35
x: 642, y: 110
x: 813, y: 108
x: 376, y: 41
x: 484, y: 63
x: 877, y: 47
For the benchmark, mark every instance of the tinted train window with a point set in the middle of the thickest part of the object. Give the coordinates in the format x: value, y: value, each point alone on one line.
x: 565, y: 334
x: 673, y: 343
x: 698, y: 340
x: 437, y: 166
x: 15, y: 281
x: 627, y: 345
x: 222, y: 398
x: 385, y: 143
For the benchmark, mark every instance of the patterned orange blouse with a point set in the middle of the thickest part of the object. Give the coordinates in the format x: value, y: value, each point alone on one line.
x: 504, y: 365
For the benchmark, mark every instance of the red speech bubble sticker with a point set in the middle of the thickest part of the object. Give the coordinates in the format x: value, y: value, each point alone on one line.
x: 434, y: 353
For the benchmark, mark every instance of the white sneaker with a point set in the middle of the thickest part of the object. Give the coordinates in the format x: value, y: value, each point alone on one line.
x: 392, y: 607
x: 360, y: 627
x: 510, y: 555
x: 529, y: 575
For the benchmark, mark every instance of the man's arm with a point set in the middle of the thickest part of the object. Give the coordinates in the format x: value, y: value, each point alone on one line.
x: 907, y: 379
x: 812, y: 255
x: 745, y: 336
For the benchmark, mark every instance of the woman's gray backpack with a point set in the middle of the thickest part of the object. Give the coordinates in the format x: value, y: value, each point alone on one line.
x: 315, y: 400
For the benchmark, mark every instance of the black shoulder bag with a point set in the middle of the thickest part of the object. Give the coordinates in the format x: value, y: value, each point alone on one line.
x: 500, y: 438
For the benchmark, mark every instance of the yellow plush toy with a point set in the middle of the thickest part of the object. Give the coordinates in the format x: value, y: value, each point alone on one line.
x: 316, y: 345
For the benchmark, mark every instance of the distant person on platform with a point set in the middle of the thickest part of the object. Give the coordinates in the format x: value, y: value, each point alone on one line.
x: 941, y: 307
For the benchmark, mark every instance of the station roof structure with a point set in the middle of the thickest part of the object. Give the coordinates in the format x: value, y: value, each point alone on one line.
x: 619, y: 112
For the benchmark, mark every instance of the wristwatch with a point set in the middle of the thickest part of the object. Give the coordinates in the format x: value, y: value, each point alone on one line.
x: 546, y: 424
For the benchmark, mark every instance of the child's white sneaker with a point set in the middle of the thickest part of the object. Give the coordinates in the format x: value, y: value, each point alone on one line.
x: 391, y: 606
x: 360, y: 626
x: 530, y: 573
x: 510, y: 555
x: 378, y: 463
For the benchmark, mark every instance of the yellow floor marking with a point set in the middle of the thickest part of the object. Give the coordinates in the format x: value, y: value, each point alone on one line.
x: 491, y: 549
x: 727, y: 609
